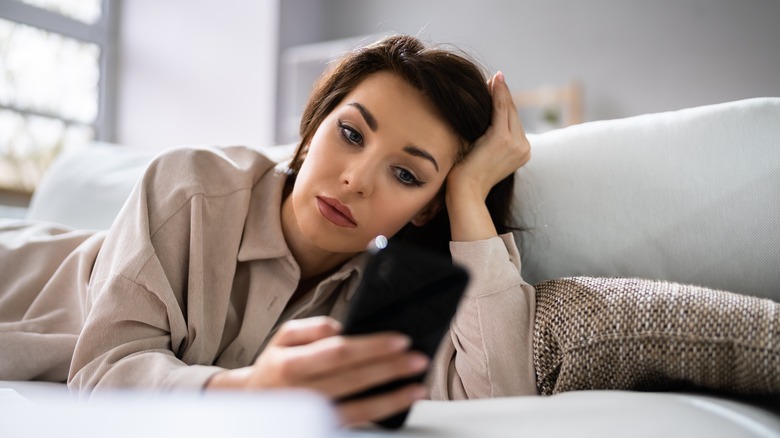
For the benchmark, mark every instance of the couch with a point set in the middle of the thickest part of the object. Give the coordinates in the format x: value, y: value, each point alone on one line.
x: 689, y: 196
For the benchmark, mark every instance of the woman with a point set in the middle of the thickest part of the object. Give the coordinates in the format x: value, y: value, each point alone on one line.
x: 224, y: 270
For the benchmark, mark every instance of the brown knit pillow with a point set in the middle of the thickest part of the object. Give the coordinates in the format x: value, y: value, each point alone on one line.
x: 627, y: 333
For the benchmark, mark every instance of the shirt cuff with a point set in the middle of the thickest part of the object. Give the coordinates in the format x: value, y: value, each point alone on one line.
x: 191, y: 377
x: 493, y: 264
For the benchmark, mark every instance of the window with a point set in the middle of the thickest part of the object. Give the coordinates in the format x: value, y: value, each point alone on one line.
x: 56, y: 60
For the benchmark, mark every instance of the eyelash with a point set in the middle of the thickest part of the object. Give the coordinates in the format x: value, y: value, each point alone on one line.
x: 347, y: 131
x: 413, y: 182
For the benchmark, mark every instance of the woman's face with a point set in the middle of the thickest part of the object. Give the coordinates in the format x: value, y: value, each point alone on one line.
x: 375, y: 163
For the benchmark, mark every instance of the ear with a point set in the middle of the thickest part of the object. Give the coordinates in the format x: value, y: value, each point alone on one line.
x: 428, y: 212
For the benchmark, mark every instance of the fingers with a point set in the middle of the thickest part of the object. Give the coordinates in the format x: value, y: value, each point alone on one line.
x: 371, y: 374
x: 380, y: 406
x: 338, y: 353
x: 506, y: 122
x: 490, y: 84
x: 504, y: 108
x: 305, y: 331
x: 306, y: 354
x: 501, y: 98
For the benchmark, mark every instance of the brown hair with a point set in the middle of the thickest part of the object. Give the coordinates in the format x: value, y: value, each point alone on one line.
x: 456, y: 86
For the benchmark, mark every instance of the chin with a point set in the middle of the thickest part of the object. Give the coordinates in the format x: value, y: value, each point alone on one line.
x: 335, y: 241
x: 335, y: 244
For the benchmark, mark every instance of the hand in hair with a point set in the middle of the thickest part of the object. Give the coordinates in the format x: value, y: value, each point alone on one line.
x: 502, y: 150
x: 309, y: 353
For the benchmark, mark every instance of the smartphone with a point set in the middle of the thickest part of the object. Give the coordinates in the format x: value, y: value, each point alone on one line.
x: 409, y: 290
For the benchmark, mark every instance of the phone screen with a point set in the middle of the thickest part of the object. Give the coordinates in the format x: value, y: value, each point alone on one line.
x: 408, y: 290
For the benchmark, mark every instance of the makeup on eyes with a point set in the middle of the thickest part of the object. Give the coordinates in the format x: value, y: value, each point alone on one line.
x: 349, y: 133
x: 352, y: 135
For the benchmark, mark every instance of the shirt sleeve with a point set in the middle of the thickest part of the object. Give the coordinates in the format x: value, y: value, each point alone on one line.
x: 489, y: 349
x: 128, y: 342
x: 159, y: 290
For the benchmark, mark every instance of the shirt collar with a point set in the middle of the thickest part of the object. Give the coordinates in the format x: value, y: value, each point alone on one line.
x: 263, y: 237
x: 352, y: 271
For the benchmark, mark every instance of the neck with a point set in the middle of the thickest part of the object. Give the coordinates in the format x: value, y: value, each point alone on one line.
x: 312, y: 260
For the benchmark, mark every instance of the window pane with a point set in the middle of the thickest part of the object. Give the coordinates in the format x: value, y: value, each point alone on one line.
x: 46, y: 72
x: 28, y: 144
x: 88, y: 11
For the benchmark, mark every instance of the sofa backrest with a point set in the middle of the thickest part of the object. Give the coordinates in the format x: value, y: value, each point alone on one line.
x: 691, y: 196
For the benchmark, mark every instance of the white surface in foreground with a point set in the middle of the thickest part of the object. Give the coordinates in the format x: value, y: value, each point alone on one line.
x: 47, y: 409
x: 135, y: 415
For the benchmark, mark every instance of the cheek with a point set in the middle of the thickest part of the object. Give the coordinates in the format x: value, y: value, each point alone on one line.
x: 313, y: 166
x: 322, y: 148
x: 394, y: 214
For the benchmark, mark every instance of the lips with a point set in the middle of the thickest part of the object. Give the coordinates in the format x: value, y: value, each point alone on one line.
x: 336, y: 212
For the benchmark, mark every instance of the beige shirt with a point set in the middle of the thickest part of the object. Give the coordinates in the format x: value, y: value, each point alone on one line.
x: 195, y: 276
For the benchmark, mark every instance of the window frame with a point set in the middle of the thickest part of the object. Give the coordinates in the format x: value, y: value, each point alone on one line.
x: 103, y: 33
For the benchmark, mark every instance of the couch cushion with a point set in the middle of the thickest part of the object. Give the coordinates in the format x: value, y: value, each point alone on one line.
x: 691, y: 196
x: 628, y: 333
x: 592, y: 414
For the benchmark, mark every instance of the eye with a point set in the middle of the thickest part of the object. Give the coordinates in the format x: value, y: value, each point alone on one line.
x: 406, y: 177
x: 350, y: 134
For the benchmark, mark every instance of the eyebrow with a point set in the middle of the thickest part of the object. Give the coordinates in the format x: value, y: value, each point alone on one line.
x: 411, y: 150
x: 369, y: 118
x: 417, y: 152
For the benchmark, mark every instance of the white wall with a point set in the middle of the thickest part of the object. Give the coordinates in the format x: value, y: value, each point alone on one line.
x: 197, y: 72
x: 632, y: 56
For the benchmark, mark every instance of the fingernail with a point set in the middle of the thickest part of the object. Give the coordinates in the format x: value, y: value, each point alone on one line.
x: 401, y: 342
x: 418, y: 362
x: 500, y: 76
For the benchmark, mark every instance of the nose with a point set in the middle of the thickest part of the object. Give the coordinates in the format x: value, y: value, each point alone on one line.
x: 359, y: 177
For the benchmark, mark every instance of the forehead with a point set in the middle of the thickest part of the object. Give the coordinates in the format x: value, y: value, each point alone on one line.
x: 404, y: 114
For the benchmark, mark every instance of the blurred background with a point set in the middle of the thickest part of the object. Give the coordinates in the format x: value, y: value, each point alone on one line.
x: 159, y: 73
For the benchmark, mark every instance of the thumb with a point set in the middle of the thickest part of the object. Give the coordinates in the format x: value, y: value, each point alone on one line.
x: 305, y: 331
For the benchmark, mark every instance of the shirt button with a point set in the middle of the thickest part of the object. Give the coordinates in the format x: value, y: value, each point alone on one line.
x: 240, y: 355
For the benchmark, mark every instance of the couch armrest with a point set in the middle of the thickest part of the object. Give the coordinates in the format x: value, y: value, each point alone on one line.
x: 86, y: 188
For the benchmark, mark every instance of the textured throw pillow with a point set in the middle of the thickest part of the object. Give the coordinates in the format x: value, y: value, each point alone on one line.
x: 633, y: 334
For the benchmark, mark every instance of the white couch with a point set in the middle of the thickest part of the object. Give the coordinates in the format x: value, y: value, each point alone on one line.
x: 691, y: 196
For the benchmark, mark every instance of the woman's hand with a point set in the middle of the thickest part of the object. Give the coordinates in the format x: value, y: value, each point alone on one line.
x: 308, y: 353
x: 502, y: 150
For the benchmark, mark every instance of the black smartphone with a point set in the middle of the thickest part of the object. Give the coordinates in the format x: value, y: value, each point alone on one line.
x: 408, y: 290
